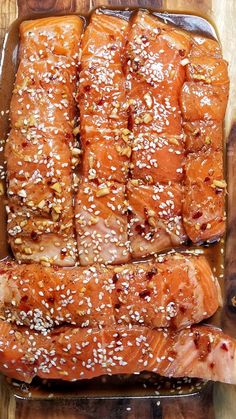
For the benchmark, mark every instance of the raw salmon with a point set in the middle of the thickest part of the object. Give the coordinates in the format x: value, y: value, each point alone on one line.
x: 72, y: 354
x: 174, y: 291
x: 204, y: 96
x: 203, y: 135
x: 102, y: 100
x: 155, y: 217
x: 38, y: 238
x: 101, y: 223
x: 157, y: 159
x: 107, y: 157
x: 40, y: 208
x: 43, y: 38
x: 207, y: 69
x: 43, y: 95
x: 203, y: 101
x: 205, y: 47
x: 204, y: 167
x: 41, y: 143
x: 203, y: 207
x: 155, y: 74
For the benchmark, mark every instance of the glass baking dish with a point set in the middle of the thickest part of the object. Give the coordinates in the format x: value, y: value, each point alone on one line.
x: 144, y: 396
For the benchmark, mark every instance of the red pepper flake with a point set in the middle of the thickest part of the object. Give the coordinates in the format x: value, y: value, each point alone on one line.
x: 140, y: 229
x: 224, y: 347
x: 87, y: 88
x: 183, y: 310
x: 182, y: 52
x: 197, y: 215
x: 203, y: 226
x: 115, y: 278
x: 51, y: 300
x: 100, y: 102
x: 34, y: 235
x: 151, y: 273
x: 145, y: 293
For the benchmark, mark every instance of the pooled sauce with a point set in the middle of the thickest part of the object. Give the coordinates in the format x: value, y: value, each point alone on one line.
x: 145, y: 384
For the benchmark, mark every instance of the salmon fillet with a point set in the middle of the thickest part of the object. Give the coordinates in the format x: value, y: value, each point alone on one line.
x: 157, y: 159
x: 40, y: 208
x: 43, y: 95
x: 203, y: 135
x: 174, y: 291
x: 107, y: 157
x: 155, y: 75
x: 73, y: 354
x: 101, y: 223
x: 41, y: 143
x: 205, y: 47
x: 204, y: 95
x: 155, y: 217
x: 44, y: 38
x: 102, y: 100
x: 203, y: 207
x: 203, y: 101
x: 207, y: 69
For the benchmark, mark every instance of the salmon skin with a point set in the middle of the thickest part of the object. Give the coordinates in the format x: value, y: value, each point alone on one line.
x: 155, y: 75
x: 203, y: 102
x: 101, y: 223
x: 155, y: 217
x: 174, y: 291
x: 71, y: 354
x: 102, y: 100
x: 41, y: 142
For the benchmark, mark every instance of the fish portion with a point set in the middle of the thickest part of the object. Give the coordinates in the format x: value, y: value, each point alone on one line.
x: 155, y: 217
x: 203, y: 102
x: 102, y: 100
x: 40, y: 210
x: 203, y: 207
x: 174, y: 291
x: 157, y: 159
x: 50, y: 36
x: 101, y: 223
x: 202, y: 134
x: 155, y: 75
x: 41, y: 143
x: 72, y: 354
x: 43, y: 95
